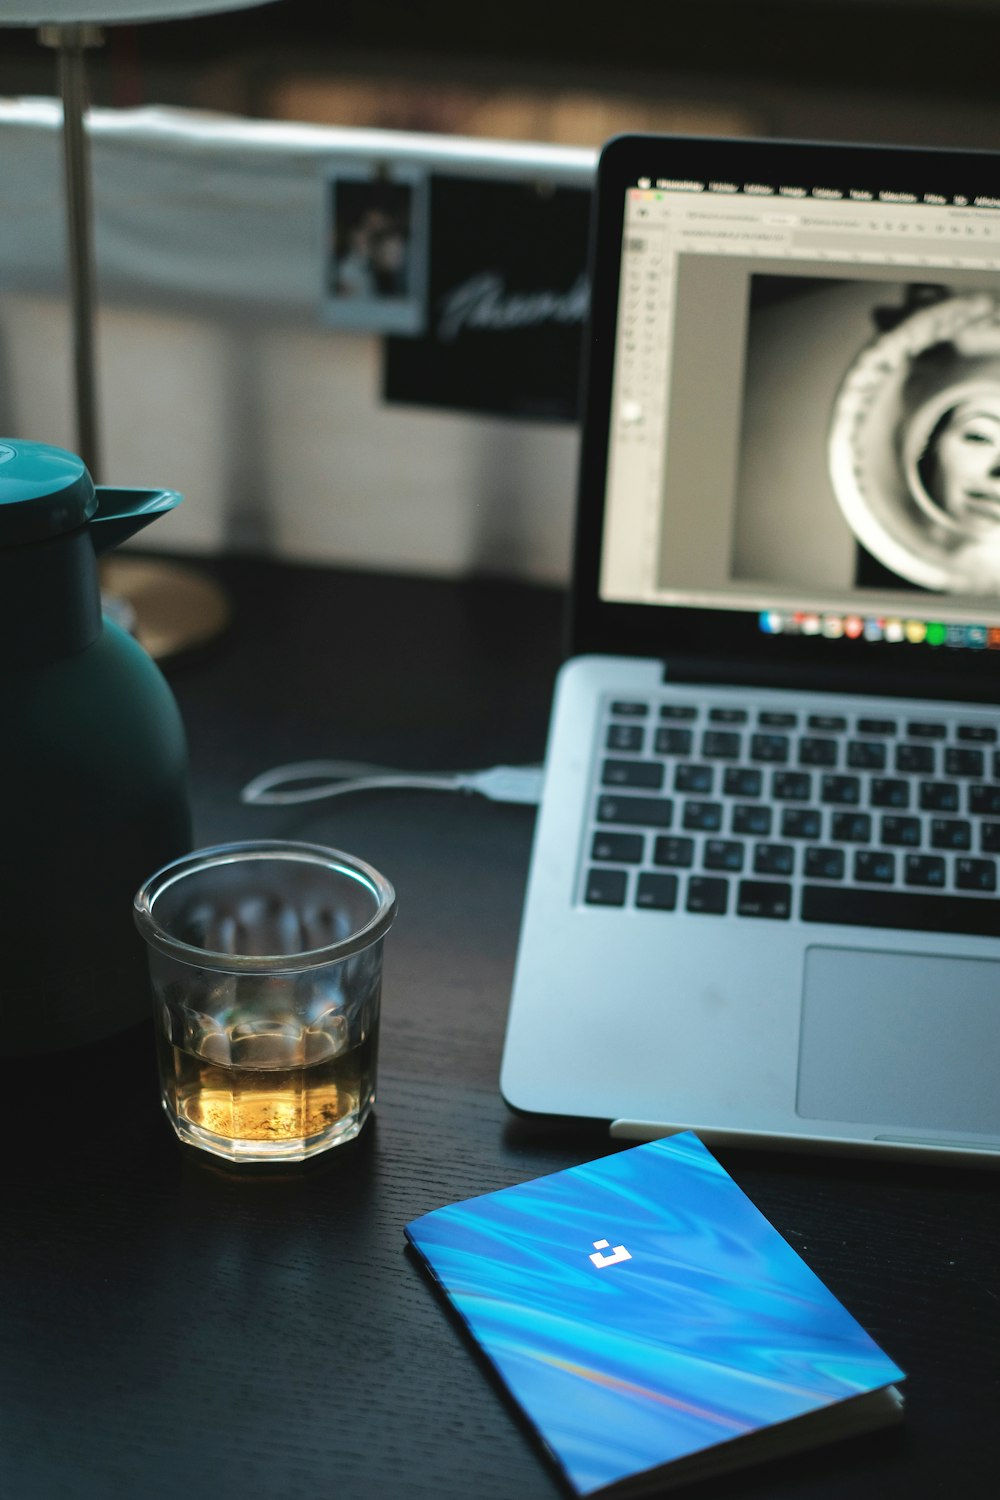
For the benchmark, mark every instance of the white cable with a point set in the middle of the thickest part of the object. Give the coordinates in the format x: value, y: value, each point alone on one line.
x: 500, y: 783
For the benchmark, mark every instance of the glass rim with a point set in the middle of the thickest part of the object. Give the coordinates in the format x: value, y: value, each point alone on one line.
x: 364, y: 936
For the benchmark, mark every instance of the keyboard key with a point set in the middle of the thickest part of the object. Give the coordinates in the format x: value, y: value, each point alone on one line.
x: 912, y: 910
x: 620, y: 848
x: 889, y: 791
x: 721, y: 744
x: 919, y: 758
x: 708, y: 894
x: 874, y: 866
x: 938, y: 796
x: 791, y: 786
x: 771, y: 719
x: 920, y: 729
x: 629, y: 709
x: 800, y: 823
x: 723, y: 854
x: 673, y: 741
x: 755, y: 818
x: 877, y: 726
x: 976, y: 874
x: 773, y: 859
x: 625, y: 737
x: 985, y: 799
x: 951, y: 833
x: 983, y: 734
x: 764, y: 898
x: 686, y: 711
x: 702, y: 817
x: 742, y: 781
x: 900, y: 831
x: 656, y: 892
x: 640, y: 773
x: 842, y: 790
x: 771, y: 748
x: 829, y: 723
x: 649, y: 812
x: 728, y: 715
x: 867, y: 755
x: 924, y: 869
x: 851, y: 827
x: 688, y: 778
x: 817, y: 752
x: 989, y: 838
x: 963, y: 762
x: 673, y: 851
x: 606, y: 887
x: 825, y: 864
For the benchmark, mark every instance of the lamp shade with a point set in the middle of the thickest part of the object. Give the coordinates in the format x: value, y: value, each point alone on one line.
x: 110, y: 12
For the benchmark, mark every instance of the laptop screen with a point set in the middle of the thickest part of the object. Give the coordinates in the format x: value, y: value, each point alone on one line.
x: 792, y: 443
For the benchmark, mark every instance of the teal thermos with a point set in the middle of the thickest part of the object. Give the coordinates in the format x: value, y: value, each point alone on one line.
x: 93, y: 760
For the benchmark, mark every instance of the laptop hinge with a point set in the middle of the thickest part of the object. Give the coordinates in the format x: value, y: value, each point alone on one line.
x: 956, y: 688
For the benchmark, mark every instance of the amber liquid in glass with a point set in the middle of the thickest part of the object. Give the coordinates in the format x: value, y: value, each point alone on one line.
x: 271, y: 1099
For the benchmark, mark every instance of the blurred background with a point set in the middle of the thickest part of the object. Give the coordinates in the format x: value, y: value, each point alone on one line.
x: 219, y: 372
x: 905, y: 70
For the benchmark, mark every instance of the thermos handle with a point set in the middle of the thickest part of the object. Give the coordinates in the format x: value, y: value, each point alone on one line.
x: 121, y: 513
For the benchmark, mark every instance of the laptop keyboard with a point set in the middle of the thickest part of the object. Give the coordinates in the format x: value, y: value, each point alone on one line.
x: 871, y: 819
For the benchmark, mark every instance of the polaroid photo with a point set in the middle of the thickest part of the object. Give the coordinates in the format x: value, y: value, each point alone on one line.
x: 375, y: 247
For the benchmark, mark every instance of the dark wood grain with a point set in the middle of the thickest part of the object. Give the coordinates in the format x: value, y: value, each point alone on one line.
x: 174, y: 1328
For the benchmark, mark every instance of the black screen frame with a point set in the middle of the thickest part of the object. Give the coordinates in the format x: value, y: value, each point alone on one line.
x: 724, y: 644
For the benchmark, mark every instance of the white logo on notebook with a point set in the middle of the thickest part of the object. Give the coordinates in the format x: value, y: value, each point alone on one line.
x: 618, y: 1254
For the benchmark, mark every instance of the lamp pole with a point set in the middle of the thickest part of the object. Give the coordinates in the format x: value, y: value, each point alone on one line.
x: 70, y: 41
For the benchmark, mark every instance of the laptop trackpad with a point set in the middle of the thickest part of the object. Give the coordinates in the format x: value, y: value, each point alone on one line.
x: 891, y: 1039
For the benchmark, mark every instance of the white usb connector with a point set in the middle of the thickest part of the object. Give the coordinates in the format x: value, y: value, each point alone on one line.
x: 505, y: 783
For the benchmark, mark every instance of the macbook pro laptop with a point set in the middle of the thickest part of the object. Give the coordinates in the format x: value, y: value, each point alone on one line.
x: 764, y: 895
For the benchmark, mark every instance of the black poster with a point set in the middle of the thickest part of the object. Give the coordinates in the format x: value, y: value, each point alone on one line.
x: 507, y: 297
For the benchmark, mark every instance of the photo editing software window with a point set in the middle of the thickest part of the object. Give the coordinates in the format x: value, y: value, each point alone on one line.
x: 806, y: 409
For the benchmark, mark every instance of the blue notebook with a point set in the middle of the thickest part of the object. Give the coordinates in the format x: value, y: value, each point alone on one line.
x: 651, y: 1323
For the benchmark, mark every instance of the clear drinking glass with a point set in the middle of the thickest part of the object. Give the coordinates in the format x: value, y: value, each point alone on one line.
x: 266, y: 967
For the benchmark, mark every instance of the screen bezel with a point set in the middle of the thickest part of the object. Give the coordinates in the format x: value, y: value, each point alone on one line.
x: 729, y: 643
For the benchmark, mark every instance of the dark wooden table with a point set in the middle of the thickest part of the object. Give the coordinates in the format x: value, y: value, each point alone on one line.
x: 174, y: 1328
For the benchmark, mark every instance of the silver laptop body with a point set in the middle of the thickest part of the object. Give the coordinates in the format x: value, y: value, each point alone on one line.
x: 763, y: 895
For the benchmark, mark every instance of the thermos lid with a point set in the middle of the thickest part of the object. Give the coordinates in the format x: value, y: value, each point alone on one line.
x: 44, y: 491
